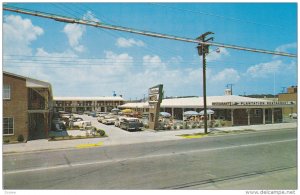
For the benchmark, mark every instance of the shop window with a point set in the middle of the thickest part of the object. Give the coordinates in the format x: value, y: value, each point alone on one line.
x: 8, y: 126
x: 6, y: 92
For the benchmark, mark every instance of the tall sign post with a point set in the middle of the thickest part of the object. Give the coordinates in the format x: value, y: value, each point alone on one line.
x: 155, y: 99
x: 203, y: 49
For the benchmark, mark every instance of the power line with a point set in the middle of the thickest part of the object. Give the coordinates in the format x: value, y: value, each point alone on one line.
x: 135, y: 31
x: 218, y: 16
x: 116, y: 34
x: 75, y: 62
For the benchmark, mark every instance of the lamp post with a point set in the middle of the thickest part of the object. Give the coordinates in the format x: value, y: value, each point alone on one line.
x: 203, y: 49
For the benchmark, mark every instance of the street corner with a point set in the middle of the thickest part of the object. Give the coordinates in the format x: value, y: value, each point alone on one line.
x: 89, y: 145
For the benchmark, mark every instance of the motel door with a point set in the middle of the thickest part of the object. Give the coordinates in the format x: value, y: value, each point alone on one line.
x: 36, y: 126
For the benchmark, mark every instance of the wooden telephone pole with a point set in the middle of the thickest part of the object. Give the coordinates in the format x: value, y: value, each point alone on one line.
x: 203, y: 49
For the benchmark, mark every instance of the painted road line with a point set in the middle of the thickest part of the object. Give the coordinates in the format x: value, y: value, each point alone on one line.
x: 147, y: 156
x: 191, y: 136
x: 89, y: 145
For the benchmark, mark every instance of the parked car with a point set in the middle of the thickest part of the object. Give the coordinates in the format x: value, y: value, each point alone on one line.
x: 101, y: 114
x: 109, y: 120
x: 80, y: 112
x: 87, y: 112
x: 54, y: 120
x: 82, y: 124
x: 73, y: 120
x: 119, y: 120
x: 101, y: 117
x: 58, y: 125
x: 93, y: 114
x: 130, y: 124
x: 293, y: 115
x: 76, y: 119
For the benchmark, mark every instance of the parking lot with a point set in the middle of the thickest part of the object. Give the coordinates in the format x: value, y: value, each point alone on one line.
x: 110, y: 130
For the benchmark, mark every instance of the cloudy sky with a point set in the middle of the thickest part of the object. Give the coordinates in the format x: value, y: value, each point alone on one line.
x: 85, y: 61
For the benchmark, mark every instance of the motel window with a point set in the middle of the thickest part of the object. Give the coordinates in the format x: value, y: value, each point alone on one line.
x: 257, y: 112
x: 6, y: 92
x: 8, y: 126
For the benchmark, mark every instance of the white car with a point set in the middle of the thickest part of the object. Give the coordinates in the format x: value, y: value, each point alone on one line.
x: 109, y: 120
x: 119, y: 120
x: 293, y: 115
x: 101, y: 117
x: 82, y: 124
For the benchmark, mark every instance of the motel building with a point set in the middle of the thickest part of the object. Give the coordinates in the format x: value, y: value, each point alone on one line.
x: 27, y: 108
x: 81, y: 104
x: 233, y: 109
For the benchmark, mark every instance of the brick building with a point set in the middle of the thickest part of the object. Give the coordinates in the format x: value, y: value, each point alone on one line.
x: 27, y: 108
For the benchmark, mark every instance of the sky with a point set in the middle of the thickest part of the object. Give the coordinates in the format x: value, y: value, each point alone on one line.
x: 85, y: 61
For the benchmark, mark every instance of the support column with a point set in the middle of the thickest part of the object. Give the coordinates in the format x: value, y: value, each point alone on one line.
x: 172, y: 112
x: 272, y: 115
x: 264, y: 116
x: 249, y: 116
x: 232, y: 121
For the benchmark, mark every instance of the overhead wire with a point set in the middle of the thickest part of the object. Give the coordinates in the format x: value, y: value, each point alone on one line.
x: 78, y: 63
x: 145, y: 33
x: 218, y: 16
x: 117, y: 34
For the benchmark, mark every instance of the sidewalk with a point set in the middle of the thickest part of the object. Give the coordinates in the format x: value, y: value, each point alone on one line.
x: 130, y: 138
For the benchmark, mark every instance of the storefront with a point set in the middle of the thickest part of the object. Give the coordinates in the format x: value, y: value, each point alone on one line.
x: 236, y: 110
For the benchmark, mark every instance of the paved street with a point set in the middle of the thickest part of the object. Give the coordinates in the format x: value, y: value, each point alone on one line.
x: 258, y: 160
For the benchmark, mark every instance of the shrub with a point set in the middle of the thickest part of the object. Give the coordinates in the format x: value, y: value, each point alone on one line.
x: 101, y: 132
x: 223, y: 123
x: 6, y: 141
x: 194, y: 126
x: 180, y: 127
x: 52, y: 138
x: 20, y: 138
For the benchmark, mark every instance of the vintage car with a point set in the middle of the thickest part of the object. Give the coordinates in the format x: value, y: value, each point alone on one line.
x: 58, y: 125
x: 119, y: 120
x: 109, y: 120
x: 101, y: 117
x: 82, y: 124
x: 130, y: 124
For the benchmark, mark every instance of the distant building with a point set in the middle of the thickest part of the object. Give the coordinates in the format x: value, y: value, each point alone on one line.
x: 237, y: 110
x: 27, y: 108
x: 81, y: 104
x: 290, y: 95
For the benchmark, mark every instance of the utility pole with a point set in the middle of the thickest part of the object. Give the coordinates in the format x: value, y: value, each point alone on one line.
x: 230, y: 84
x: 203, y: 49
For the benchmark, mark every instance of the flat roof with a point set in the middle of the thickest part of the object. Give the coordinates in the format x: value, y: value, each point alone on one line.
x: 103, y: 98
x: 195, y: 101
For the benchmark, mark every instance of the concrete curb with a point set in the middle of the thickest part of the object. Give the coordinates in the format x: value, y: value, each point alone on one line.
x: 141, y: 137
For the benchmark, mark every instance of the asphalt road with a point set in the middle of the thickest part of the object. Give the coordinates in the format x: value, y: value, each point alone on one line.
x: 258, y: 160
